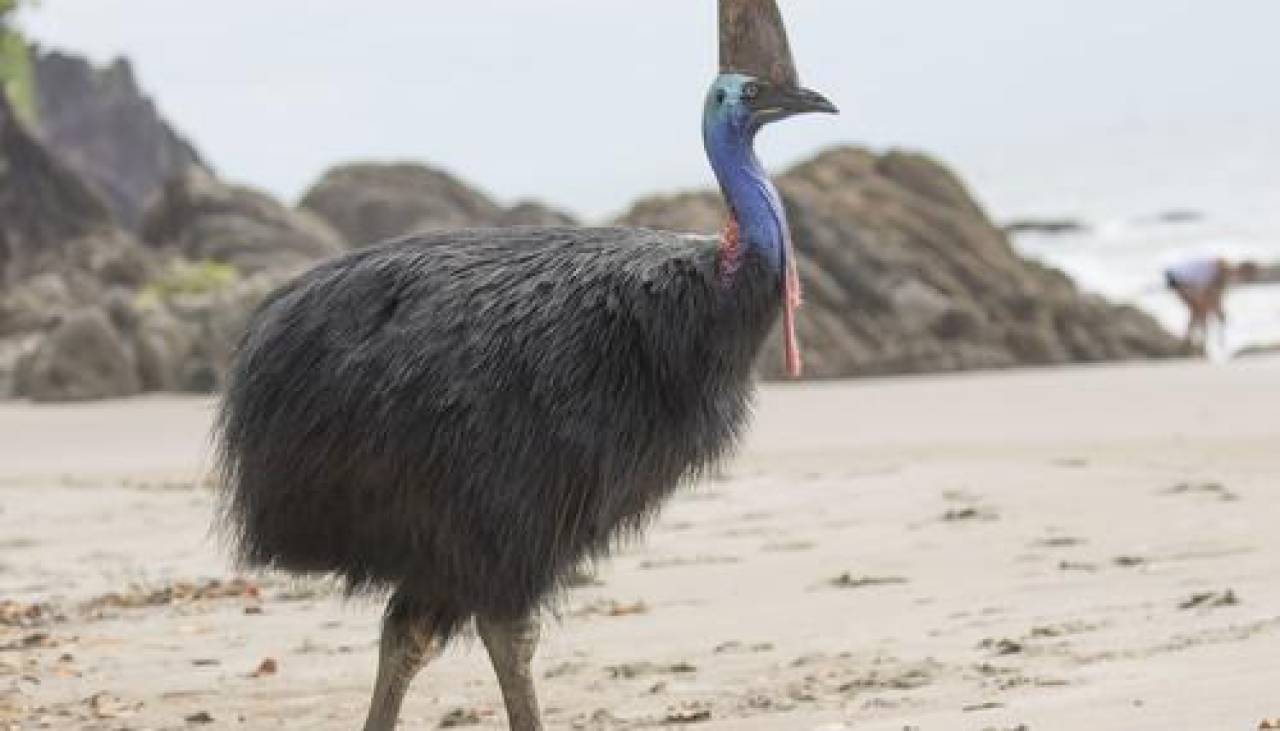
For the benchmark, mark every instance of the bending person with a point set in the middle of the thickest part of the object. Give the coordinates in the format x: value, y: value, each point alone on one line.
x: 1202, y: 284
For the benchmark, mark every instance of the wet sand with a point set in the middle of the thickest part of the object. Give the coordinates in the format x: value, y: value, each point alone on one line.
x: 1090, y: 548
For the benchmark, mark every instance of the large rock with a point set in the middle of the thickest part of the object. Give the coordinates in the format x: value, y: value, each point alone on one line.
x: 87, y: 312
x: 51, y: 221
x: 175, y: 334
x: 533, y: 213
x: 201, y: 218
x: 60, y: 252
x: 83, y: 357
x: 903, y: 272
x: 102, y: 125
x: 371, y: 202
x: 184, y: 340
x: 1269, y: 273
x: 35, y: 304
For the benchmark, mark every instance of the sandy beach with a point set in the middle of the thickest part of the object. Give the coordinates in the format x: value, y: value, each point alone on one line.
x: 1086, y: 548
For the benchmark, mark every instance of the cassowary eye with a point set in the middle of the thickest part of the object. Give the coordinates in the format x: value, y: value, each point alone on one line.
x: 720, y: 96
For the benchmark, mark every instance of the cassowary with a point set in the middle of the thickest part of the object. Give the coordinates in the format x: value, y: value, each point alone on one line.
x: 461, y: 419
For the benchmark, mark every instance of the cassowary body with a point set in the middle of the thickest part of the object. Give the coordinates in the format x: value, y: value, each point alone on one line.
x: 463, y: 418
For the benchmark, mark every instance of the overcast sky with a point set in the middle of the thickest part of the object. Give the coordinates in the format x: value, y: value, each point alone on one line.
x: 589, y: 103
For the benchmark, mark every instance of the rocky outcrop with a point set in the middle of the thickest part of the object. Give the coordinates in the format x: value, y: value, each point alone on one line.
x: 175, y: 334
x: 103, y: 126
x: 203, y: 219
x: 183, y: 338
x: 532, y: 213
x: 87, y: 312
x: 50, y: 221
x: 903, y: 272
x: 1269, y: 273
x: 370, y: 202
x: 35, y: 303
x: 84, y: 356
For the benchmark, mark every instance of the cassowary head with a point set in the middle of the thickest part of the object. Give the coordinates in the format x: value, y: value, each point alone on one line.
x: 758, y: 83
x: 744, y: 104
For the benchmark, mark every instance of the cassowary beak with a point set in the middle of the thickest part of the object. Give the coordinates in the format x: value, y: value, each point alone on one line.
x: 773, y: 102
x: 807, y: 101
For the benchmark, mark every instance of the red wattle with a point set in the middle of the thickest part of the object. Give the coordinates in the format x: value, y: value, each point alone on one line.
x: 790, y: 303
x: 730, y: 258
x: 730, y: 251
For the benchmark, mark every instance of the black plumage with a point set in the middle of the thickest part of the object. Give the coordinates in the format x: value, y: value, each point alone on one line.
x: 464, y: 417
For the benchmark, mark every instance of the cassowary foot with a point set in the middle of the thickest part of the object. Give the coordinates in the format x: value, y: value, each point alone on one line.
x: 408, y: 644
x: 511, y: 645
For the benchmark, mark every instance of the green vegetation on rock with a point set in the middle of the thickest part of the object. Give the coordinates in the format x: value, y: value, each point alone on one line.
x: 16, y: 79
x: 15, y: 75
x: 183, y: 278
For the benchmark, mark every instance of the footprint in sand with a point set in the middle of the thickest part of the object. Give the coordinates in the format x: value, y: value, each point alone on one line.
x: 683, y: 561
x: 970, y: 508
x: 565, y: 669
x: 1210, y: 600
x: 688, y: 713
x: 789, y: 547
x: 644, y: 668
x: 1002, y: 646
x: 1058, y: 542
x: 1062, y: 629
x: 848, y: 581
x: 610, y: 608
x: 735, y: 647
x: 1212, y: 489
x: 756, y: 532
x: 970, y: 514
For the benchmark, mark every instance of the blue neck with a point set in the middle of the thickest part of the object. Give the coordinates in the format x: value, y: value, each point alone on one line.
x: 752, y: 198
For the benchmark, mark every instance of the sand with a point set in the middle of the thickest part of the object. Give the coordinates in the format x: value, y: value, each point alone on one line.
x: 1089, y: 548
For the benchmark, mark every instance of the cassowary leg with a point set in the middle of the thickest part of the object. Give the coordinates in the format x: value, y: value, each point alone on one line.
x: 511, y: 645
x: 408, y: 644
